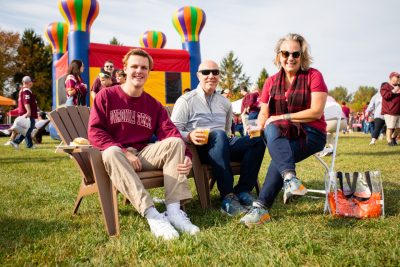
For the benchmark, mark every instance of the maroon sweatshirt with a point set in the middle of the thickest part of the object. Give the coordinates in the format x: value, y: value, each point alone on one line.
x: 390, y: 101
x: 117, y: 119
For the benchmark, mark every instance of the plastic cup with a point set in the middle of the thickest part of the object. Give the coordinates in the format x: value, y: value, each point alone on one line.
x: 254, y: 130
x: 206, y: 132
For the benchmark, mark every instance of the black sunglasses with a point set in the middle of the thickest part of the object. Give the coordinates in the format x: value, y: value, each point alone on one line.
x: 109, y: 66
x: 207, y: 72
x: 286, y: 54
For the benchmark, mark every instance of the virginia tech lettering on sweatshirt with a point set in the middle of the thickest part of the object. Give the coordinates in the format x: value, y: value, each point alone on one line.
x: 131, y: 117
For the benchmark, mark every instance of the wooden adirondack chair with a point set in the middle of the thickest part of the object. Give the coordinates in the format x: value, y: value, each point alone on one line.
x: 71, y: 122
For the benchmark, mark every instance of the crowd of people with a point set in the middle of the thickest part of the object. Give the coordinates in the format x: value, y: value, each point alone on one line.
x: 289, y: 114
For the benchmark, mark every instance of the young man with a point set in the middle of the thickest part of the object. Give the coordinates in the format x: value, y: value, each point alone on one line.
x: 203, y: 107
x: 121, y: 123
x: 27, y: 107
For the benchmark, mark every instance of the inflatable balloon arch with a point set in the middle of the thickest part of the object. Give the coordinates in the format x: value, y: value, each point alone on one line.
x: 173, y: 71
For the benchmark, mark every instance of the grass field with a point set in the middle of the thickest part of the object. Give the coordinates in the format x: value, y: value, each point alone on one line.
x: 38, y: 189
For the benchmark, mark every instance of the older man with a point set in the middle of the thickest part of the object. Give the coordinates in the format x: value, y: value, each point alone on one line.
x: 122, y: 121
x: 27, y: 107
x: 390, y: 92
x: 204, y: 108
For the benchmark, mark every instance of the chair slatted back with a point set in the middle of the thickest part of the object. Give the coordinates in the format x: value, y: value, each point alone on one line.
x: 71, y: 122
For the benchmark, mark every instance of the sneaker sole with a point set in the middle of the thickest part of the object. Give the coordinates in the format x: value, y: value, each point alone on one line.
x: 265, y: 218
x: 299, y: 192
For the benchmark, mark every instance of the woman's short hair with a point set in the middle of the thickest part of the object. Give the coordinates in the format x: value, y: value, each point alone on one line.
x: 305, y: 56
x: 138, y: 52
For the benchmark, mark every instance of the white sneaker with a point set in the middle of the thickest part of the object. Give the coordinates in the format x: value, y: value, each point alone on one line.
x: 182, y: 223
x: 373, y: 141
x: 161, y: 227
x: 8, y: 143
x: 14, y: 145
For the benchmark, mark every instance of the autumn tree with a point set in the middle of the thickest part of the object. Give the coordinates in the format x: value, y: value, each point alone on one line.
x: 232, y: 76
x: 9, y: 43
x: 35, y: 60
x: 362, y: 96
x: 340, y: 94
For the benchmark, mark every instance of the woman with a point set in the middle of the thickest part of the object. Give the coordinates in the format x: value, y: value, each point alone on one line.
x: 292, y: 106
x: 74, y: 86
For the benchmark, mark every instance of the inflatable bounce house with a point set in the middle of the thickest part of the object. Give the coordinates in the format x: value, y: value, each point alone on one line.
x: 173, y: 71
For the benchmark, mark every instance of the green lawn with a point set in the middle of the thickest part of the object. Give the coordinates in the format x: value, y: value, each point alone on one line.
x: 38, y: 189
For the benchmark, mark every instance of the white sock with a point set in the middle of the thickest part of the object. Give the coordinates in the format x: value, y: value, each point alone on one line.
x: 152, y: 213
x: 173, y: 208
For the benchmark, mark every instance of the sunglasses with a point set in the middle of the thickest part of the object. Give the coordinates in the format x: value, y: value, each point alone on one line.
x: 286, y: 54
x: 109, y: 66
x: 207, y: 72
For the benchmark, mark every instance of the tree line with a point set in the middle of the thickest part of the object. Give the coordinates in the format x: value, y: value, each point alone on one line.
x: 28, y: 55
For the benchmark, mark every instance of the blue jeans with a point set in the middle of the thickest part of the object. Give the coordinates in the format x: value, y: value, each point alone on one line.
x: 253, y: 115
x: 284, y: 155
x: 28, y: 137
x: 221, y: 150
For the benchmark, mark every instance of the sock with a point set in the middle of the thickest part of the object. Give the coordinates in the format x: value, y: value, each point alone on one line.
x: 288, y: 175
x: 152, y: 213
x: 173, y: 208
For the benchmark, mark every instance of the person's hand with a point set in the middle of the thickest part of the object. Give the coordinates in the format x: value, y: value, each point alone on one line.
x: 134, y: 161
x: 185, y: 167
x: 197, y: 137
x: 271, y: 119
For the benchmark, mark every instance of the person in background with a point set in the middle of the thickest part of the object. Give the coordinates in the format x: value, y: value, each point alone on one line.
x: 27, y: 107
x: 41, y: 127
x: 109, y: 67
x: 253, y: 105
x: 187, y: 90
x: 122, y: 120
x: 244, y: 107
x: 346, y: 112
x: 105, y: 81
x: 227, y: 93
x: 374, y: 109
x: 120, y: 76
x: 75, y: 88
x: 292, y: 116
x: 205, y: 108
x: 390, y: 92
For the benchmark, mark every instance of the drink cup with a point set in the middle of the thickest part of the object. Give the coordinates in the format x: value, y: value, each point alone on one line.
x: 253, y: 129
x: 206, y: 132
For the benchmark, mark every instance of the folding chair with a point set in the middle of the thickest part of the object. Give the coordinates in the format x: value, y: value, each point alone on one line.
x: 331, y: 112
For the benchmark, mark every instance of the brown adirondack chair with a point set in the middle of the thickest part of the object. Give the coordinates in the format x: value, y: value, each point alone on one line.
x: 71, y: 122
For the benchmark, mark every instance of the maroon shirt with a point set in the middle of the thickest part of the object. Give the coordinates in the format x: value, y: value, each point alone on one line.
x: 346, y: 111
x: 96, y: 87
x: 316, y: 83
x: 253, y: 102
x: 390, y: 101
x: 117, y: 119
x: 26, y: 97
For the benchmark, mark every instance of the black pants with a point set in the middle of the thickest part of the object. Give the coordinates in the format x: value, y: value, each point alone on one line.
x: 379, y: 123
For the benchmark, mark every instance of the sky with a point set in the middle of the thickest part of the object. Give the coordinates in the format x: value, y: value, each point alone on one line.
x: 353, y: 42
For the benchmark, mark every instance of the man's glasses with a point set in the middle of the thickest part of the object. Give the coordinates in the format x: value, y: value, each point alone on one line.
x: 207, y: 72
x: 109, y: 66
x: 286, y: 54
